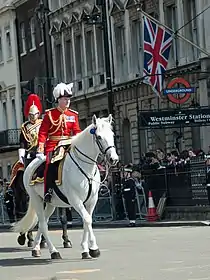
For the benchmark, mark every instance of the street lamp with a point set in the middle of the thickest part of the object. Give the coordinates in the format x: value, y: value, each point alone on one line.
x: 101, y: 19
x: 42, y: 17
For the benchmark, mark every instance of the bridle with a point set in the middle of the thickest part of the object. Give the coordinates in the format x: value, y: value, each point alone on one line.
x: 77, y: 151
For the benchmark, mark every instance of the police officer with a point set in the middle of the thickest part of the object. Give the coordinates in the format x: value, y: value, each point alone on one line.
x: 129, y: 194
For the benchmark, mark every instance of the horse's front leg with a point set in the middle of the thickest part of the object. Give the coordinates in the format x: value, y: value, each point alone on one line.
x: 86, y: 214
x: 94, y: 251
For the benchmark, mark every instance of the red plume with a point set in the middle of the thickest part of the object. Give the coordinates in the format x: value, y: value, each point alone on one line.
x: 32, y: 99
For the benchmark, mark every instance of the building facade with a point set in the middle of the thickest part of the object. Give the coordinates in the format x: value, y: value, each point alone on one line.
x: 78, y: 56
x: 34, y: 47
x: 10, y: 105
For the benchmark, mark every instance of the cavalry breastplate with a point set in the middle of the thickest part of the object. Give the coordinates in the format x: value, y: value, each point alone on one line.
x: 30, y: 132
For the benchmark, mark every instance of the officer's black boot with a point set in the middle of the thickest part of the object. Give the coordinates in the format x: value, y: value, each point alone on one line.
x: 49, y: 182
x: 48, y: 196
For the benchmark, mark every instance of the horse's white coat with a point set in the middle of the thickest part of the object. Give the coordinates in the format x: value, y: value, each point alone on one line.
x: 75, y: 185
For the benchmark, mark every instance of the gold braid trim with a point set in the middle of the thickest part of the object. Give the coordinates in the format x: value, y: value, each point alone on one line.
x: 57, y: 123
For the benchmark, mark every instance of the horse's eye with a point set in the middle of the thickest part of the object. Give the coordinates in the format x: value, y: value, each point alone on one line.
x: 99, y: 137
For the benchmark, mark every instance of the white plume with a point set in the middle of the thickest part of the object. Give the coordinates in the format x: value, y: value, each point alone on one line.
x: 61, y: 88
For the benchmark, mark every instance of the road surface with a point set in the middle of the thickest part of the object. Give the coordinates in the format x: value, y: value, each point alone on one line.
x: 126, y: 254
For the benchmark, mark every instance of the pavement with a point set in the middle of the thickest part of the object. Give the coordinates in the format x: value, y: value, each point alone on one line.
x: 160, y: 253
x: 121, y: 224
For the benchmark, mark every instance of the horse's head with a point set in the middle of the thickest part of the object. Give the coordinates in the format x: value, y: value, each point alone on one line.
x: 104, y: 138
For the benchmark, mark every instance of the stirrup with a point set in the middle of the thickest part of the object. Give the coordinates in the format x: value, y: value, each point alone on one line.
x: 48, y: 197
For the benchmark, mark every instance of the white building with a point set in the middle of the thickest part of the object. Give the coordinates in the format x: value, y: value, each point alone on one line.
x: 10, y: 98
x: 78, y: 56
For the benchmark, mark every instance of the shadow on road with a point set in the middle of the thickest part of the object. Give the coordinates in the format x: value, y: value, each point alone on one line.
x: 23, y: 262
x: 13, y: 249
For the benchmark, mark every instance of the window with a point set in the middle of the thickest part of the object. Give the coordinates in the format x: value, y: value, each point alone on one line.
x: 1, y: 172
x: 78, y: 53
x: 5, y: 122
x: 89, y: 52
x: 100, y: 49
x: 191, y: 28
x: 14, y: 119
x: 59, y: 62
x: 172, y: 22
x: 69, y: 61
x: 22, y: 38
x: 136, y: 46
x: 9, y: 169
x: 120, y: 52
x: 41, y: 36
x: 1, y: 48
x: 55, y: 4
x: 32, y: 34
x: 8, y: 44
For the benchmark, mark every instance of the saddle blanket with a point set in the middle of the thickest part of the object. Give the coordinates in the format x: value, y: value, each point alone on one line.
x: 38, y: 176
x: 17, y: 166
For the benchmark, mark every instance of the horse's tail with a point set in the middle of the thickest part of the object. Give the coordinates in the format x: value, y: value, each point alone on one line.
x: 30, y: 219
x: 27, y: 222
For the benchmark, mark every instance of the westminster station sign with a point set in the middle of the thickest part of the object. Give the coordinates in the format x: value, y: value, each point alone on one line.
x: 175, y: 118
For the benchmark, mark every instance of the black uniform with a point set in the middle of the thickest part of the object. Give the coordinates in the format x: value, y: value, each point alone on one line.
x: 129, y: 193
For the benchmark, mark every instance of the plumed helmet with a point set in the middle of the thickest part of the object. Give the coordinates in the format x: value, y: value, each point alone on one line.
x: 62, y: 90
x: 33, y: 105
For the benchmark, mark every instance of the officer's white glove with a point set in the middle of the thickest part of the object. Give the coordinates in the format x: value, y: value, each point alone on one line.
x: 40, y: 156
x: 21, y: 153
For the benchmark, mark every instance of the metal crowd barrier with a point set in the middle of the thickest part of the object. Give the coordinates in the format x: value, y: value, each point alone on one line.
x: 104, y: 208
x: 4, y: 219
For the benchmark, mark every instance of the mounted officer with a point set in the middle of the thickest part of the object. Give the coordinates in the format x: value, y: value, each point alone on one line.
x: 26, y: 152
x: 30, y: 129
x: 59, y: 124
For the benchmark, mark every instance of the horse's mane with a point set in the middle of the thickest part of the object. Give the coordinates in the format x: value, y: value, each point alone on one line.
x: 87, y: 130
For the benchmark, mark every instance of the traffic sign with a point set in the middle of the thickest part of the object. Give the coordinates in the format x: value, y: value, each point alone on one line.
x: 170, y: 91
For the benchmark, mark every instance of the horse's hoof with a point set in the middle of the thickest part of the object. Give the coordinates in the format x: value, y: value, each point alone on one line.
x: 43, y: 245
x: 86, y: 256
x: 36, y: 253
x: 30, y: 243
x: 94, y: 253
x: 56, y: 256
x: 21, y: 239
x: 67, y: 244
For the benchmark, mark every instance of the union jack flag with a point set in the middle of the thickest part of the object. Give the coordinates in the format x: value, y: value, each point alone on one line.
x: 157, y: 45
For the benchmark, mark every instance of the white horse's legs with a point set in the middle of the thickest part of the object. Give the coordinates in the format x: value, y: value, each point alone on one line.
x: 39, y: 208
x: 36, y: 247
x: 90, y: 206
x: 86, y: 215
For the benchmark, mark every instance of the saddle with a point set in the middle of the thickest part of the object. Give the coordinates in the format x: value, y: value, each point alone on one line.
x: 55, y: 167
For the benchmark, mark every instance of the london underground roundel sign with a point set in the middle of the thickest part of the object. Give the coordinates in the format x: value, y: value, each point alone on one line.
x: 174, y: 93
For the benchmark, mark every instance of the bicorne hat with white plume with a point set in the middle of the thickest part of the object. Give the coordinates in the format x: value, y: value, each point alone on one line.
x: 62, y: 90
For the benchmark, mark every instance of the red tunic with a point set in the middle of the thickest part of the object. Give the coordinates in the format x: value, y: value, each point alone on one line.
x: 57, y: 125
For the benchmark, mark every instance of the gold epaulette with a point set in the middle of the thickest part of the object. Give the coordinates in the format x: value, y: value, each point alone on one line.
x: 73, y: 111
x: 24, y: 124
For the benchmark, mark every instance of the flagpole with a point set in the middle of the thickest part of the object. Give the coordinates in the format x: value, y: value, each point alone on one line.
x: 174, y: 32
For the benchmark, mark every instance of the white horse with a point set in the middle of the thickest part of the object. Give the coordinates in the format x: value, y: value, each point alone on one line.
x: 80, y: 185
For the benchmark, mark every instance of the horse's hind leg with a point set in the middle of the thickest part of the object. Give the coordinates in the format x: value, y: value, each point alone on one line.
x: 30, y: 238
x: 38, y: 206
x: 63, y: 219
x: 36, y: 252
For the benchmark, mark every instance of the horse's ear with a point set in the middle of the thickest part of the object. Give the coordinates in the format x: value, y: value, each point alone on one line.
x: 94, y: 119
x: 110, y: 118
